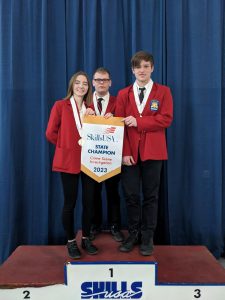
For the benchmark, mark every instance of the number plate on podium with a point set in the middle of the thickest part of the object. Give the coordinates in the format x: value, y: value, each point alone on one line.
x: 130, y: 280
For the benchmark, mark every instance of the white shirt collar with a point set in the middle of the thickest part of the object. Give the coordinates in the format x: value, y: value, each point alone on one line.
x: 104, y: 103
x: 105, y: 98
x: 148, y: 86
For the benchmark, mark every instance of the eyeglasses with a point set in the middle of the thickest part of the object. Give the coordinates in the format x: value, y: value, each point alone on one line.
x: 98, y: 80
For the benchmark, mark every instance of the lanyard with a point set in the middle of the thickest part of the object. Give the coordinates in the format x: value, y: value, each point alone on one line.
x: 78, y: 116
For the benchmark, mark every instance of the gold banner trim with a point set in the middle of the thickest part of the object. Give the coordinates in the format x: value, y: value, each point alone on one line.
x: 101, y: 120
x: 102, y: 178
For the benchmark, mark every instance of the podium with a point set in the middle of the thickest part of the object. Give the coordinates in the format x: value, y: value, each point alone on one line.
x: 172, y: 272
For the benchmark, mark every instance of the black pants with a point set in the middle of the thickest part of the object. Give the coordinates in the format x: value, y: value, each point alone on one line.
x: 113, y: 202
x: 142, y: 213
x: 70, y: 189
x: 88, y: 190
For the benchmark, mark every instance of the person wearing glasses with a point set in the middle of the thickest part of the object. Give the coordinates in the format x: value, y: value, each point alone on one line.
x: 147, y: 110
x: 64, y: 131
x: 104, y: 105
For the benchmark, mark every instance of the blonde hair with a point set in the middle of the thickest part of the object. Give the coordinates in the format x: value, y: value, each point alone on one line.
x: 88, y: 96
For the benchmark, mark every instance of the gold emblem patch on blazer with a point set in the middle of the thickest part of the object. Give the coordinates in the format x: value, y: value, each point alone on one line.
x: 154, y: 105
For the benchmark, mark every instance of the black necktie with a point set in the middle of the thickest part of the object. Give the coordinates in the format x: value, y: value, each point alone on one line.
x: 141, y: 95
x: 100, y: 104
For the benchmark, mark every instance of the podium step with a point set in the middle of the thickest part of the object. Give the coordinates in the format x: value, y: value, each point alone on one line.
x: 37, y: 266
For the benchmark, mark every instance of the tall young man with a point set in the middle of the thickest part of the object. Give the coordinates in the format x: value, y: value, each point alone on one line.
x: 147, y: 110
x: 104, y: 105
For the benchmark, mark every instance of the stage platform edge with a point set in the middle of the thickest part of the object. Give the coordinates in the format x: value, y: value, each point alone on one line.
x: 38, y: 266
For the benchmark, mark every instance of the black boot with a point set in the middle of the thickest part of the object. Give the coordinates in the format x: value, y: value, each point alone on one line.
x: 116, y: 233
x: 95, y: 230
x: 87, y: 245
x: 146, y: 247
x: 130, y: 242
x: 73, y: 250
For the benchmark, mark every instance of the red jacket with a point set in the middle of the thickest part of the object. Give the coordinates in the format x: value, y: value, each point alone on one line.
x: 62, y: 132
x: 110, y: 107
x: 149, y: 136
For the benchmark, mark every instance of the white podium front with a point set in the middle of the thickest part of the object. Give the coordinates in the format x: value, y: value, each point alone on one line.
x: 172, y: 273
x: 131, y: 280
x: 111, y: 280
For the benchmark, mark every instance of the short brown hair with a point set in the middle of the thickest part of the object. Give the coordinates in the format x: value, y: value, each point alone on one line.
x: 139, y: 56
x: 88, y: 95
x: 102, y: 70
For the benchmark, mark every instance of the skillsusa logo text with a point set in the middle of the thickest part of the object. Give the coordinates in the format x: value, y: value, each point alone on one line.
x: 111, y: 290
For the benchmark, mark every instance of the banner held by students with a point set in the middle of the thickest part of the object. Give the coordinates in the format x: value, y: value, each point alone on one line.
x: 102, y: 145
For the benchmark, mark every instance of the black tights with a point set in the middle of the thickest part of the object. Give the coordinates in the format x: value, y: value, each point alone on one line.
x: 70, y: 189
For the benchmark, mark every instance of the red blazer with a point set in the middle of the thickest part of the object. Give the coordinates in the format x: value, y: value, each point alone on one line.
x: 148, y: 138
x: 62, y: 132
x: 110, y: 107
